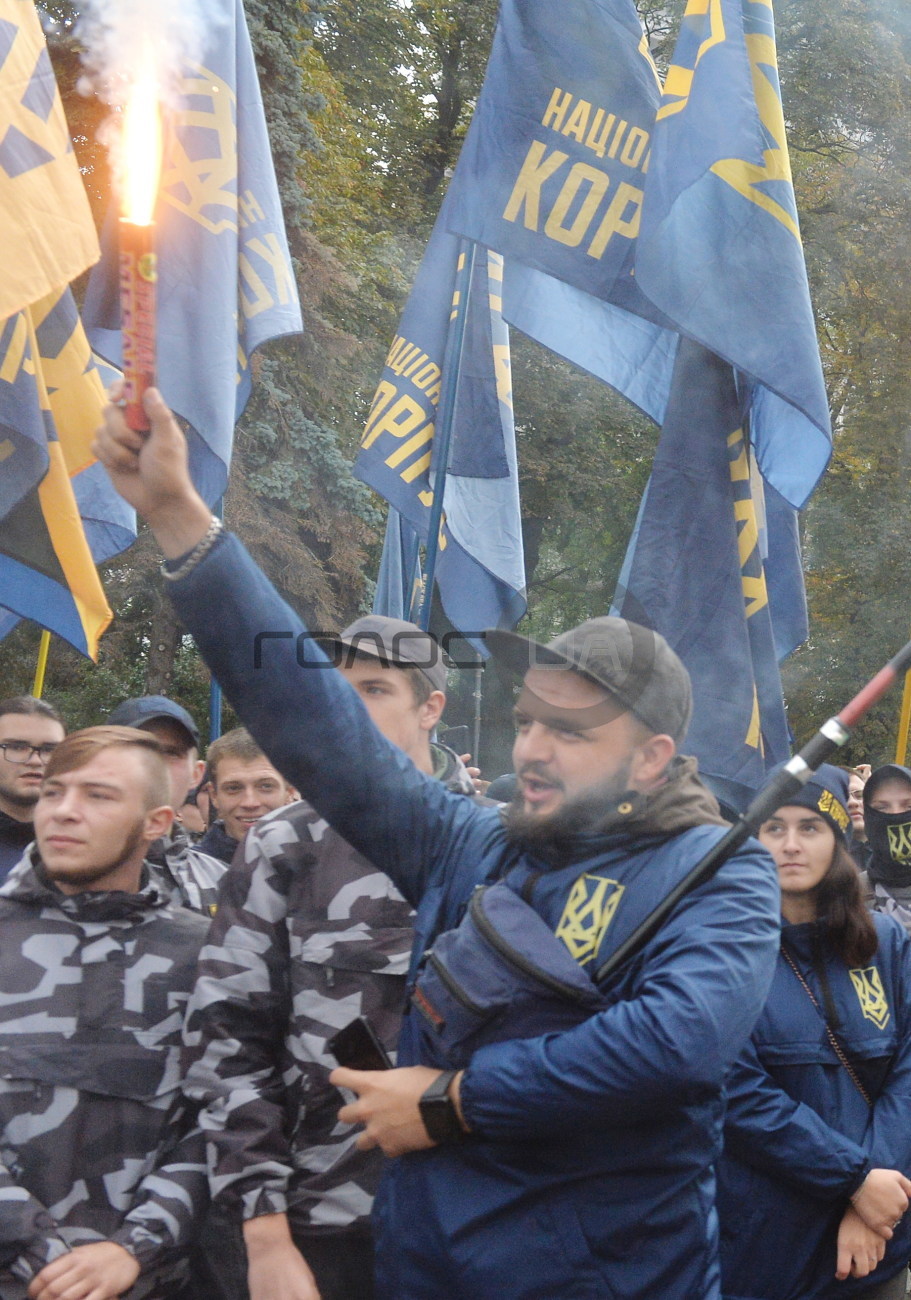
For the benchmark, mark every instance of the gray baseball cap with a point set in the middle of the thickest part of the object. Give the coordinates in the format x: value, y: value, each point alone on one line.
x: 634, y: 664
x: 394, y: 642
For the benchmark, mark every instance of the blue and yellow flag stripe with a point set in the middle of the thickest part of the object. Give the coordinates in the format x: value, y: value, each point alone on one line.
x: 51, y: 397
x: 45, y: 217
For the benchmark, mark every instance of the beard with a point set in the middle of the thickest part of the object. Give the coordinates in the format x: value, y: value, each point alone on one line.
x: 559, y: 836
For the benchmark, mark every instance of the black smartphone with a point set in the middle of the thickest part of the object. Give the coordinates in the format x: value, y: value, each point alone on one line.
x: 358, y: 1048
x: 456, y: 738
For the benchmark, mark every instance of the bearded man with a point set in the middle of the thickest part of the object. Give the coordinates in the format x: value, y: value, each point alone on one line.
x: 555, y: 1132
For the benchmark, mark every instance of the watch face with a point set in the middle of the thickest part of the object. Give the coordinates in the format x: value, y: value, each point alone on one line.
x: 439, y: 1113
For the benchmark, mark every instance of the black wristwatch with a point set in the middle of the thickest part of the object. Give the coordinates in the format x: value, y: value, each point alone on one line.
x: 441, y: 1119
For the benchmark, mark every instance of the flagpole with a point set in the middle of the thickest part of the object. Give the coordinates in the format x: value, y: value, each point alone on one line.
x: 41, y: 666
x: 778, y: 789
x: 443, y: 432
x: 904, y: 722
x: 214, y: 688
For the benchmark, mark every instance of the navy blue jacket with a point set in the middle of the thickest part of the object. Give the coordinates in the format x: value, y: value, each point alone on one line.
x: 591, y: 1172
x: 799, y: 1137
x: 15, y: 837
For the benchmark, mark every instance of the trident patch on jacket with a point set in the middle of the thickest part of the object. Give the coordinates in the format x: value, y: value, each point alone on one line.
x: 900, y: 842
x: 589, y: 911
x: 870, y: 994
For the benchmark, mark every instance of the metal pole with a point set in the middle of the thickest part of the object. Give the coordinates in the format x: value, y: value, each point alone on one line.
x: 41, y: 666
x: 442, y: 436
x: 214, y: 688
x: 904, y: 722
x: 780, y: 787
x: 476, y: 737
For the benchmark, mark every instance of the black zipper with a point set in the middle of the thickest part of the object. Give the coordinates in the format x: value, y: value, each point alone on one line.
x: 455, y: 989
x: 516, y: 959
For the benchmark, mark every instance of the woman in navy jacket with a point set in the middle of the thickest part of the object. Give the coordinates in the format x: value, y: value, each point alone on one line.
x: 812, y: 1187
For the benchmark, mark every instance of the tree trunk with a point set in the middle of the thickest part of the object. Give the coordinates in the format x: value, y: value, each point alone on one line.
x: 165, y: 640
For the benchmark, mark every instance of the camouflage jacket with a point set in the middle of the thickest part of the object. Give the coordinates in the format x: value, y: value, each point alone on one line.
x: 308, y: 935
x: 189, y: 876
x: 96, y: 1139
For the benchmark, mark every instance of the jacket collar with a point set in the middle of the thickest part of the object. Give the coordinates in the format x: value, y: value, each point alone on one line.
x: 29, y: 883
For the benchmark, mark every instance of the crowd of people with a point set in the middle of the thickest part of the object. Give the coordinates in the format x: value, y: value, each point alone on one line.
x: 197, y: 1011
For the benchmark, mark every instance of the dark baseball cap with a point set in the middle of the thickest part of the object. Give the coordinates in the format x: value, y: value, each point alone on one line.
x: 150, y: 708
x: 394, y: 642
x: 635, y: 665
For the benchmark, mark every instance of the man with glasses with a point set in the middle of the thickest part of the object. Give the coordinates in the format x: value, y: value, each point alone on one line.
x: 30, y: 731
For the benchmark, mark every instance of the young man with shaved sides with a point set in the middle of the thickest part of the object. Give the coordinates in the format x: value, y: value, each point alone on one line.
x: 555, y: 1135
x: 102, y: 1173
x: 308, y: 935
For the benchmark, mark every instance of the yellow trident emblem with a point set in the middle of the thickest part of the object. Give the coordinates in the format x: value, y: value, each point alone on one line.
x: 589, y: 910
x: 900, y: 842
x: 871, y: 995
x: 204, y: 189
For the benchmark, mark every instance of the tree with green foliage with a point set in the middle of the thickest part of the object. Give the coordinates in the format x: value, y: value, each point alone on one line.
x: 367, y: 105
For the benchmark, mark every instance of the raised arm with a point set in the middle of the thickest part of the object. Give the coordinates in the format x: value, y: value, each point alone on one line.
x: 304, y: 715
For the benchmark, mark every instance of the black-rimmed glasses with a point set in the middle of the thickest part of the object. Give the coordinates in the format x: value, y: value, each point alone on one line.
x: 20, y: 751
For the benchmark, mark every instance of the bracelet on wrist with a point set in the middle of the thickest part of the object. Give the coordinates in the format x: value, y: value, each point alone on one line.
x: 199, y: 551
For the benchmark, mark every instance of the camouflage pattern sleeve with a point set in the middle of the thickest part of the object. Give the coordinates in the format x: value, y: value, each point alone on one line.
x: 28, y: 1234
x: 234, y: 1040
x: 170, y: 1202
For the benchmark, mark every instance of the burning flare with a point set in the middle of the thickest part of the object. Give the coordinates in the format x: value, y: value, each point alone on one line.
x: 140, y: 172
x: 141, y: 151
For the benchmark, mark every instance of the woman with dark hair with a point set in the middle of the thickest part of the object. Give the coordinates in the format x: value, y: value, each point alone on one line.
x: 812, y: 1185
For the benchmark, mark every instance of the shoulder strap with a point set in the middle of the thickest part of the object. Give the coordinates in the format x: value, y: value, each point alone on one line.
x: 528, y: 886
x: 830, y: 1032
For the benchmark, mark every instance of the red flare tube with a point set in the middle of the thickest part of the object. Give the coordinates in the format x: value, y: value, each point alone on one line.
x: 138, y: 277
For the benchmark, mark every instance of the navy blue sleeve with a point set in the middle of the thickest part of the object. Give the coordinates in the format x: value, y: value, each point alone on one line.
x: 315, y: 729
x: 699, y: 991
x: 889, y: 1135
x: 767, y: 1128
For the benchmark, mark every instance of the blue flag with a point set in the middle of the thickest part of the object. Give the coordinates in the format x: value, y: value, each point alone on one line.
x: 682, y: 215
x: 719, y: 251
x: 554, y: 163
x: 59, y: 514
x: 51, y: 535
x: 225, y: 280
x: 635, y: 227
x: 399, y: 583
x: 480, y: 569
x: 48, y: 232
x: 695, y: 572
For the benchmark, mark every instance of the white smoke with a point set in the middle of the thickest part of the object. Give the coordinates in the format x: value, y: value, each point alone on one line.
x: 125, y: 39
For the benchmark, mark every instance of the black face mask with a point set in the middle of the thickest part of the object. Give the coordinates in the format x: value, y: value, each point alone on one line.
x: 889, y: 837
